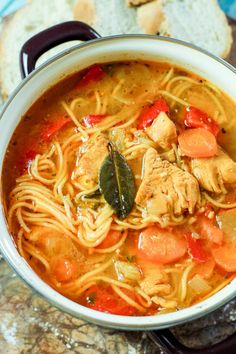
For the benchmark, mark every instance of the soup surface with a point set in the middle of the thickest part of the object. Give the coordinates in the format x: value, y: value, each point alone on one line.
x: 119, y: 188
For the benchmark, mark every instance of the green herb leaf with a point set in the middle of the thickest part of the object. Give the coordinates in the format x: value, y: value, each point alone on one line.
x: 116, y: 182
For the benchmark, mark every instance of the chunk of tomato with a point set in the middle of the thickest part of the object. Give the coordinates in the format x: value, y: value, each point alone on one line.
x: 103, y: 298
x: 93, y: 119
x: 196, y: 249
x: 93, y: 74
x: 50, y: 129
x: 149, y: 113
x: 195, y: 118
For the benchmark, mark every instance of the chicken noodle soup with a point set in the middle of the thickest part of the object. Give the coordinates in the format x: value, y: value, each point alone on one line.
x: 119, y: 188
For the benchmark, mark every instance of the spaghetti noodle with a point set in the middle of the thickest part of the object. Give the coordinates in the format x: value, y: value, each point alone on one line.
x: 61, y: 221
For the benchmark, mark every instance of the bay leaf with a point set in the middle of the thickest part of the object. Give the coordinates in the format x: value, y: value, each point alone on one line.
x: 116, y: 182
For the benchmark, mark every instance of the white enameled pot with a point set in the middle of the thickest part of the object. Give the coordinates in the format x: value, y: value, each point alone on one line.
x: 105, y: 50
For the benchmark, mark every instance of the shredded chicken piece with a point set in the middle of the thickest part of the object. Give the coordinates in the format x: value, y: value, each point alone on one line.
x: 163, y: 131
x: 120, y: 137
x: 165, y: 188
x: 169, y: 155
x: 155, y: 282
x: 90, y: 162
x: 215, y: 172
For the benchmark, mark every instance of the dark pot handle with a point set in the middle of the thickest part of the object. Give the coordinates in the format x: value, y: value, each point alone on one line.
x: 50, y: 38
x: 171, y: 345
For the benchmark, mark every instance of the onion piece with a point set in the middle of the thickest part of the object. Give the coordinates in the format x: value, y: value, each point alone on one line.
x: 199, y: 285
x: 127, y: 271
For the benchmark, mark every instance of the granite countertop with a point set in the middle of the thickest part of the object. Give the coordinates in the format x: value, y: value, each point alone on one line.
x: 29, y: 325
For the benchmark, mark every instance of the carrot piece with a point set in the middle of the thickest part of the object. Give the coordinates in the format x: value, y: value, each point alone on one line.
x: 210, y: 230
x: 198, y: 142
x: 112, y: 238
x: 196, y: 249
x: 65, y: 269
x: 149, y: 113
x: 161, y: 246
x: 204, y: 269
x: 225, y: 257
x: 103, y: 298
x: 195, y: 118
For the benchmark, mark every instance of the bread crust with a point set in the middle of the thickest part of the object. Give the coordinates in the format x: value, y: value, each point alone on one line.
x: 229, y: 40
x: 136, y: 2
x: 150, y: 17
x: 85, y: 11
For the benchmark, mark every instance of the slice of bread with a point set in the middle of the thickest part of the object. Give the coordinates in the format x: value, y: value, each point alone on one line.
x: 26, y: 22
x: 200, y: 22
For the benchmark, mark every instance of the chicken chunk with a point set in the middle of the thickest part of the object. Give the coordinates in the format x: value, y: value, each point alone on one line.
x: 165, y: 188
x: 163, y: 131
x: 215, y: 172
x: 155, y: 281
x: 86, y: 174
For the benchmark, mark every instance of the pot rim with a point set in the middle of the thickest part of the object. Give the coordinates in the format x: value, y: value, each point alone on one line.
x: 65, y: 52
x: 109, y: 320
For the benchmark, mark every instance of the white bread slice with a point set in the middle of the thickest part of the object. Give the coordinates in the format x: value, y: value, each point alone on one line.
x: 200, y: 22
x: 31, y: 19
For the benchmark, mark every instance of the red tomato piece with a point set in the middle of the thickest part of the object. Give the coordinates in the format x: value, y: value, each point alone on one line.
x: 112, y: 238
x: 161, y: 246
x: 196, y: 249
x: 149, y: 113
x: 26, y: 157
x: 198, y: 142
x: 195, y: 118
x: 65, y: 269
x: 52, y: 128
x: 94, y: 73
x: 93, y: 119
x: 103, y: 298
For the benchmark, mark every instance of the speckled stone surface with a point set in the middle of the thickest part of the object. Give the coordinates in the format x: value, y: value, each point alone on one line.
x: 29, y: 325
